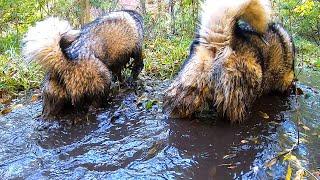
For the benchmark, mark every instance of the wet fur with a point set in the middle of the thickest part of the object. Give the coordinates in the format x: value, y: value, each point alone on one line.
x: 80, y: 63
x: 230, y: 66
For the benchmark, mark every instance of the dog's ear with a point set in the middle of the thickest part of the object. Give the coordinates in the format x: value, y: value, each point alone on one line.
x: 68, y: 38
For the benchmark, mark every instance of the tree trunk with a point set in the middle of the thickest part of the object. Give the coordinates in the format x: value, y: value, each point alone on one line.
x: 172, y: 15
x: 143, y: 7
x: 85, y: 12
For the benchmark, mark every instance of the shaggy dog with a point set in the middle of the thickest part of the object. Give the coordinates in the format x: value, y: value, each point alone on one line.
x: 238, y: 55
x: 79, y: 64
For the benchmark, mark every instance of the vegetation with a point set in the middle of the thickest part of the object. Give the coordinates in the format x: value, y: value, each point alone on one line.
x: 169, y: 31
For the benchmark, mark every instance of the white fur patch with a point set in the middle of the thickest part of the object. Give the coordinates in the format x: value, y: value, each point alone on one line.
x: 44, y: 35
x: 218, y: 15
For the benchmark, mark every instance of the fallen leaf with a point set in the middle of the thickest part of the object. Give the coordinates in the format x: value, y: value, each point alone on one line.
x: 244, y: 141
x: 5, y: 100
x: 17, y: 106
x: 299, y: 174
x: 228, y: 164
x: 155, y: 148
x: 271, y: 162
x: 34, y: 97
x: 302, y: 140
x: 305, y: 128
x: 299, y: 91
x: 231, y: 167
x: 314, y: 134
x: 264, y: 115
x: 229, y: 156
x: 6, y: 111
x: 289, y: 172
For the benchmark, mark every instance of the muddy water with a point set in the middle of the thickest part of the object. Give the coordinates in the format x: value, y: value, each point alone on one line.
x: 131, y: 138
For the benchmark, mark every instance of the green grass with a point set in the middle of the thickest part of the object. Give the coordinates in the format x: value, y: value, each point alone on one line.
x: 16, y: 75
x: 164, y: 56
x: 308, y: 53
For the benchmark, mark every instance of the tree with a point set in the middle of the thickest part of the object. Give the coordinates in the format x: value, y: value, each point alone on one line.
x: 85, y: 11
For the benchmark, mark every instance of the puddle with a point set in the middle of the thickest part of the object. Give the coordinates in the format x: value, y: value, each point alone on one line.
x: 133, y: 139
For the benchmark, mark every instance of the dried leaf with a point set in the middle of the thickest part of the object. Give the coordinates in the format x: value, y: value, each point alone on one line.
x: 232, y: 167
x: 228, y: 164
x: 299, y: 174
x: 5, y: 100
x: 229, y: 156
x: 6, y: 111
x: 271, y: 162
x: 299, y: 91
x: 305, y: 128
x: 34, y: 97
x: 314, y: 134
x: 17, y: 106
x: 289, y: 173
x: 155, y: 148
x: 264, y: 115
x: 303, y: 140
x: 244, y: 141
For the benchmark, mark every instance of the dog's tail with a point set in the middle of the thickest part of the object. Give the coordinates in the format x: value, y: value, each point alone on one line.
x: 219, y: 18
x: 42, y: 43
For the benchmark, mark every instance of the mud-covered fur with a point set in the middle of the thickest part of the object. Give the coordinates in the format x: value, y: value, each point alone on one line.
x: 231, y: 64
x: 80, y: 63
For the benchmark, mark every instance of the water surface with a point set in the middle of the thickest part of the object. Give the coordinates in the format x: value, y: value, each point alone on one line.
x: 132, y: 139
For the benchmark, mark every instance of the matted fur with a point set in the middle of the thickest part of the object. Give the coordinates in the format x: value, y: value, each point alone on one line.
x: 230, y: 66
x: 80, y: 63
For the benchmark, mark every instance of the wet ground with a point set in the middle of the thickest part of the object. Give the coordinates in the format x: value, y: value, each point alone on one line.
x: 133, y: 139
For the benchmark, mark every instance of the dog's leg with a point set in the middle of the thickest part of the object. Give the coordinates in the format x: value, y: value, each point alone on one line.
x: 54, y: 97
x: 137, y: 65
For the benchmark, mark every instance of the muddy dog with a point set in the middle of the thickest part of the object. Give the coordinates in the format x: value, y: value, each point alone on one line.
x: 238, y: 55
x: 79, y: 64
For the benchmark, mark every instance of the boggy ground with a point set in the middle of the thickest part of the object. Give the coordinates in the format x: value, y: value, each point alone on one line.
x: 132, y: 138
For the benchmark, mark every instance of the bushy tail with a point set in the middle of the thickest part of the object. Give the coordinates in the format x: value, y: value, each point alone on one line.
x: 219, y: 18
x: 42, y: 43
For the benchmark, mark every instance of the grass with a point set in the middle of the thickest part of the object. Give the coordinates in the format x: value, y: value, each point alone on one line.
x: 16, y: 75
x: 308, y: 53
x: 163, y: 56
